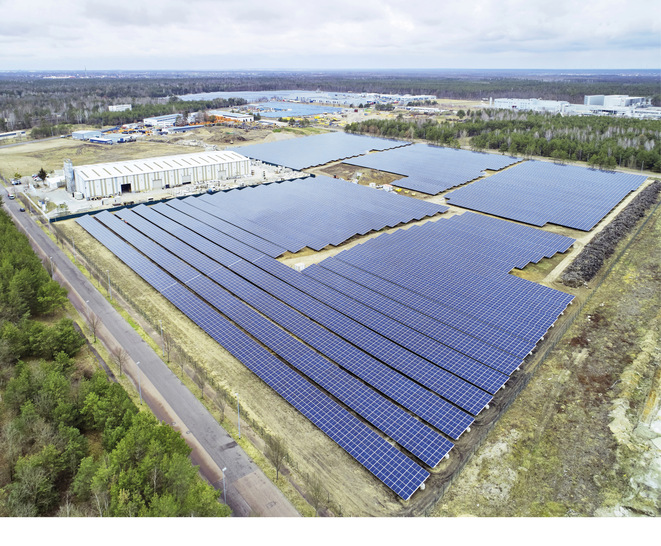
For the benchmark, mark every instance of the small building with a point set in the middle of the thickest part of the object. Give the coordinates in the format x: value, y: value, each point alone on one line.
x: 86, y: 135
x: 112, y: 179
x: 119, y: 107
x: 234, y: 117
x: 162, y: 121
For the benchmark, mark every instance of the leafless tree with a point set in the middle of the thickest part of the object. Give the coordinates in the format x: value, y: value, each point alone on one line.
x: 317, y: 493
x: 276, y: 452
x: 94, y: 322
x: 168, y: 344
x: 221, y: 403
x: 120, y: 357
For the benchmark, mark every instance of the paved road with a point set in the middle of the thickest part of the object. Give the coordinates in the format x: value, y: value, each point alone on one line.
x: 249, y: 491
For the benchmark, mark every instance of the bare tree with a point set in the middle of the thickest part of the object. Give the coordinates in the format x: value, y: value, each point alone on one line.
x: 276, y: 452
x: 168, y: 344
x: 317, y: 493
x: 221, y: 403
x: 181, y: 359
x: 120, y: 357
x: 94, y: 322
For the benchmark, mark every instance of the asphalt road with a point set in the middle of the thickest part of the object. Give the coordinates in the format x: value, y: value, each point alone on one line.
x: 249, y: 491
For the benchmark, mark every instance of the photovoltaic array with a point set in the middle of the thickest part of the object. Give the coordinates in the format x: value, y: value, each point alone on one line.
x: 313, y: 212
x: 433, y: 169
x: 375, y: 342
x: 538, y: 193
x: 301, y: 153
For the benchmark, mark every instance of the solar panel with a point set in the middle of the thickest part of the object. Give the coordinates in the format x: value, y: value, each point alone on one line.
x: 392, y: 467
x: 433, y: 169
x: 304, y: 152
x: 538, y: 193
x: 417, y: 438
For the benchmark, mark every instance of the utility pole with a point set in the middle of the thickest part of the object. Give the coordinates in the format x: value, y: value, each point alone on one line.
x: 162, y: 340
x: 52, y: 271
x: 73, y: 243
x: 224, y: 490
x: 139, y: 387
x: 238, y: 409
x: 109, y: 289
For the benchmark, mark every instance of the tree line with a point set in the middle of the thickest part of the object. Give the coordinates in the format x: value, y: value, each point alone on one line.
x: 600, y: 141
x: 27, y: 102
x: 71, y: 442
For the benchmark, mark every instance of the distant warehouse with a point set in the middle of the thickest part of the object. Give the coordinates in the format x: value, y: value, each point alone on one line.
x: 167, y: 120
x: 224, y: 115
x: 111, y: 179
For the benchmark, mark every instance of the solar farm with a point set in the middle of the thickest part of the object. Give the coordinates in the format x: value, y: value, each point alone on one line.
x: 302, y: 153
x: 432, y: 169
x: 538, y: 193
x: 410, y: 324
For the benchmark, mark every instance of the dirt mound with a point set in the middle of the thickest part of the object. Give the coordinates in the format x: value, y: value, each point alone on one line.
x: 592, y: 257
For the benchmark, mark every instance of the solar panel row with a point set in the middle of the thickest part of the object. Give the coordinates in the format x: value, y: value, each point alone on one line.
x: 433, y: 169
x: 538, y: 193
x: 443, y: 415
x: 392, y: 467
x: 300, y: 153
x: 427, y: 319
x: 429, y: 264
x: 312, y: 212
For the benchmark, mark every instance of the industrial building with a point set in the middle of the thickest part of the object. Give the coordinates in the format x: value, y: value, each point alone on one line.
x: 615, y: 101
x: 593, y: 105
x: 86, y: 135
x: 162, y: 121
x: 119, y: 107
x: 231, y: 116
x: 535, y: 105
x: 112, y: 179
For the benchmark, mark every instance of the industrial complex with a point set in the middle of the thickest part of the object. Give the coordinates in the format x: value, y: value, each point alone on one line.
x: 593, y: 105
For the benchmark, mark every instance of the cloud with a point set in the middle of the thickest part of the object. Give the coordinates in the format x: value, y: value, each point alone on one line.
x: 344, y: 33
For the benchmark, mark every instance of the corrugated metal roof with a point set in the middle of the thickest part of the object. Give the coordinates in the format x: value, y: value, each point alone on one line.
x: 156, y: 164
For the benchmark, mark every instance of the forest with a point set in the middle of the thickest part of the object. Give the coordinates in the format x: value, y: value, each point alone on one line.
x: 27, y: 101
x: 602, y: 142
x: 72, y: 443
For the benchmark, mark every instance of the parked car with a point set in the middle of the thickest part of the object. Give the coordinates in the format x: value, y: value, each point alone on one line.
x: 22, y: 209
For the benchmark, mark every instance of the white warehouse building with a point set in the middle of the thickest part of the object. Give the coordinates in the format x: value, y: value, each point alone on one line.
x: 112, y: 179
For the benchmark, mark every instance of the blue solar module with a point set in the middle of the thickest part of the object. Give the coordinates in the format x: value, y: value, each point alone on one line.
x: 393, y: 468
x: 538, y: 193
x: 313, y: 212
x: 459, y: 268
x: 418, y: 439
x: 433, y: 169
x: 301, y: 292
x: 304, y: 152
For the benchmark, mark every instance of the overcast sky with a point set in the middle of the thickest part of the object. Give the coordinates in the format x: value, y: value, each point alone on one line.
x: 316, y: 34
